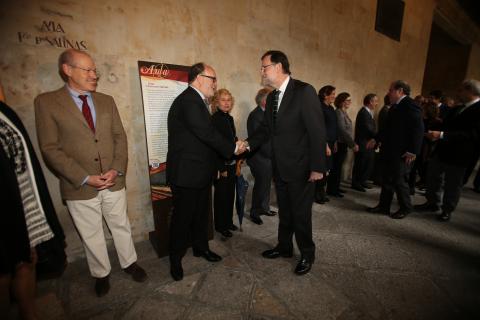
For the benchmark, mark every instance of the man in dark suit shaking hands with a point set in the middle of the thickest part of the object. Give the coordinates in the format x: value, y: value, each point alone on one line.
x: 401, y: 141
x: 458, y: 144
x: 193, y: 144
x: 294, y: 122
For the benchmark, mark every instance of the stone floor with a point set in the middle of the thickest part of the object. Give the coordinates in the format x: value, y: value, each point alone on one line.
x: 367, y: 267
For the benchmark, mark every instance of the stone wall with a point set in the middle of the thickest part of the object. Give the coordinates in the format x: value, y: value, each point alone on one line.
x: 327, y: 41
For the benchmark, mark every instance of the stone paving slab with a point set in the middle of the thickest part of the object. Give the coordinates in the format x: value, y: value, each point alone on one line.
x: 367, y: 267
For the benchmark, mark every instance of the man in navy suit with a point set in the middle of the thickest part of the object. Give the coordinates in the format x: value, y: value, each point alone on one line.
x: 458, y: 144
x: 365, y: 131
x: 401, y: 143
x: 193, y: 144
x: 294, y: 124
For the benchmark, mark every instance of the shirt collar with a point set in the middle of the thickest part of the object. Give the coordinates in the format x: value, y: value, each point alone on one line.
x: 283, y: 87
x: 74, y: 93
x: 472, y: 102
x: 198, y: 91
x: 401, y: 98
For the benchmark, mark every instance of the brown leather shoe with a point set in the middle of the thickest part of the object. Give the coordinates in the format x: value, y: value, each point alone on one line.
x: 137, y: 272
x: 102, y: 286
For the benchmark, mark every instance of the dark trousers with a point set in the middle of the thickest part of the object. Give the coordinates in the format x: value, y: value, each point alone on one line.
x: 395, y: 180
x: 471, y: 167
x: 320, y: 185
x: 262, y: 173
x: 189, y: 221
x: 335, y: 176
x: 451, y: 177
x: 476, y: 181
x: 295, y: 201
x: 223, y: 198
x: 362, y: 167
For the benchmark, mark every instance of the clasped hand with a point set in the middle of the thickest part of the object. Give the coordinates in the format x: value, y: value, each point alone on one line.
x: 104, y: 181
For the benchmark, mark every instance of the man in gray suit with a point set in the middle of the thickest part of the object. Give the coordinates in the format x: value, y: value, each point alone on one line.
x: 260, y: 162
x: 83, y: 142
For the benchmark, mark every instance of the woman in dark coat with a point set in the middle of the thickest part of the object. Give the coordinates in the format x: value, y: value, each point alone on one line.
x: 31, y: 238
x: 224, y: 194
x: 327, y: 96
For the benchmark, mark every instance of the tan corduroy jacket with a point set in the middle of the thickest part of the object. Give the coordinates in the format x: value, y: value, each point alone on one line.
x: 71, y: 150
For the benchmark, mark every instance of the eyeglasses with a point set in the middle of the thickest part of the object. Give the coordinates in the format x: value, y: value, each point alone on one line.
x: 214, y: 79
x: 263, y: 68
x: 87, y: 70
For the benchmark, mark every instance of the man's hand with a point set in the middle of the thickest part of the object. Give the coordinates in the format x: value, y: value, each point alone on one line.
x: 409, y: 158
x: 314, y: 176
x: 356, y: 148
x: 223, y: 174
x: 371, y: 144
x: 328, y: 152
x: 241, y: 147
x: 110, y: 176
x: 99, y: 182
x: 433, y: 135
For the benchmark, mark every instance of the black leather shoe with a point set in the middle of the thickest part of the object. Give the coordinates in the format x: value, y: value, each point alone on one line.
x: 303, y: 266
x: 269, y: 213
x: 378, y: 209
x: 276, y: 253
x: 359, y: 188
x: 208, y: 255
x: 321, y: 200
x: 233, y: 228
x: 102, y: 286
x: 342, y: 190
x: 400, y: 214
x: 477, y: 190
x: 226, y: 233
x: 137, y: 272
x: 426, y: 207
x: 256, y: 220
x: 335, y: 194
x: 176, y: 270
x: 366, y: 186
x: 444, y: 216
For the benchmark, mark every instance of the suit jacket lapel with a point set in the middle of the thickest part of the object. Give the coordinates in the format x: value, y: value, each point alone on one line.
x: 287, y: 97
x: 65, y: 99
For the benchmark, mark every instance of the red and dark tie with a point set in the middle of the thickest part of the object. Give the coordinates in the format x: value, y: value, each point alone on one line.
x: 86, y: 112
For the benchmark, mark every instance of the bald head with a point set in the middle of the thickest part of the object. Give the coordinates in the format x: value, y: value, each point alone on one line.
x: 78, y: 70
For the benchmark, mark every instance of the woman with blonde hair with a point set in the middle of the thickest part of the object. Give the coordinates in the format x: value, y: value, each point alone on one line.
x: 224, y: 194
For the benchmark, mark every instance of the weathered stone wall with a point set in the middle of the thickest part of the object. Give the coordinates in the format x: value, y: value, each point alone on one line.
x: 327, y: 41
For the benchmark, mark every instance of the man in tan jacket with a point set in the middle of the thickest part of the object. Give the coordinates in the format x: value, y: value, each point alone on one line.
x: 83, y: 143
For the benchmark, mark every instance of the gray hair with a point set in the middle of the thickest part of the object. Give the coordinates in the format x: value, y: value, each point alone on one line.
x: 400, y: 84
x: 68, y: 57
x: 472, y: 85
x: 261, y: 94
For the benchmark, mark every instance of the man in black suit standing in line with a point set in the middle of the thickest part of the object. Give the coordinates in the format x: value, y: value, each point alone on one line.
x: 260, y: 162
x: 294, y: 122
x: 365, y: 131
x: 458, y: 144
x: 193, y: 144
x: 401, y: 142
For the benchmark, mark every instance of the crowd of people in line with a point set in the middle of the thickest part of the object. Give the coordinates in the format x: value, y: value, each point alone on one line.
x: 297, y: 137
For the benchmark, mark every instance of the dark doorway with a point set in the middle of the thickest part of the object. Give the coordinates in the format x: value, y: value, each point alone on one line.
x: 447, y: 62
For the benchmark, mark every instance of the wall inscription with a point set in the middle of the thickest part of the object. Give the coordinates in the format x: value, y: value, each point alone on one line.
x: 52, y: 34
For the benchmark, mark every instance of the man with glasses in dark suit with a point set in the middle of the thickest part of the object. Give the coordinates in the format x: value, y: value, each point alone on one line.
x: 193, y: 144
x: 294, y: 122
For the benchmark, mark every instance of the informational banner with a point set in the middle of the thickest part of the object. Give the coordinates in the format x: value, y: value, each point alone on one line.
x: 161, y: 83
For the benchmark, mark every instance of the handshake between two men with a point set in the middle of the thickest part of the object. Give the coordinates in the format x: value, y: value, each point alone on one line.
x: 241, y: 147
